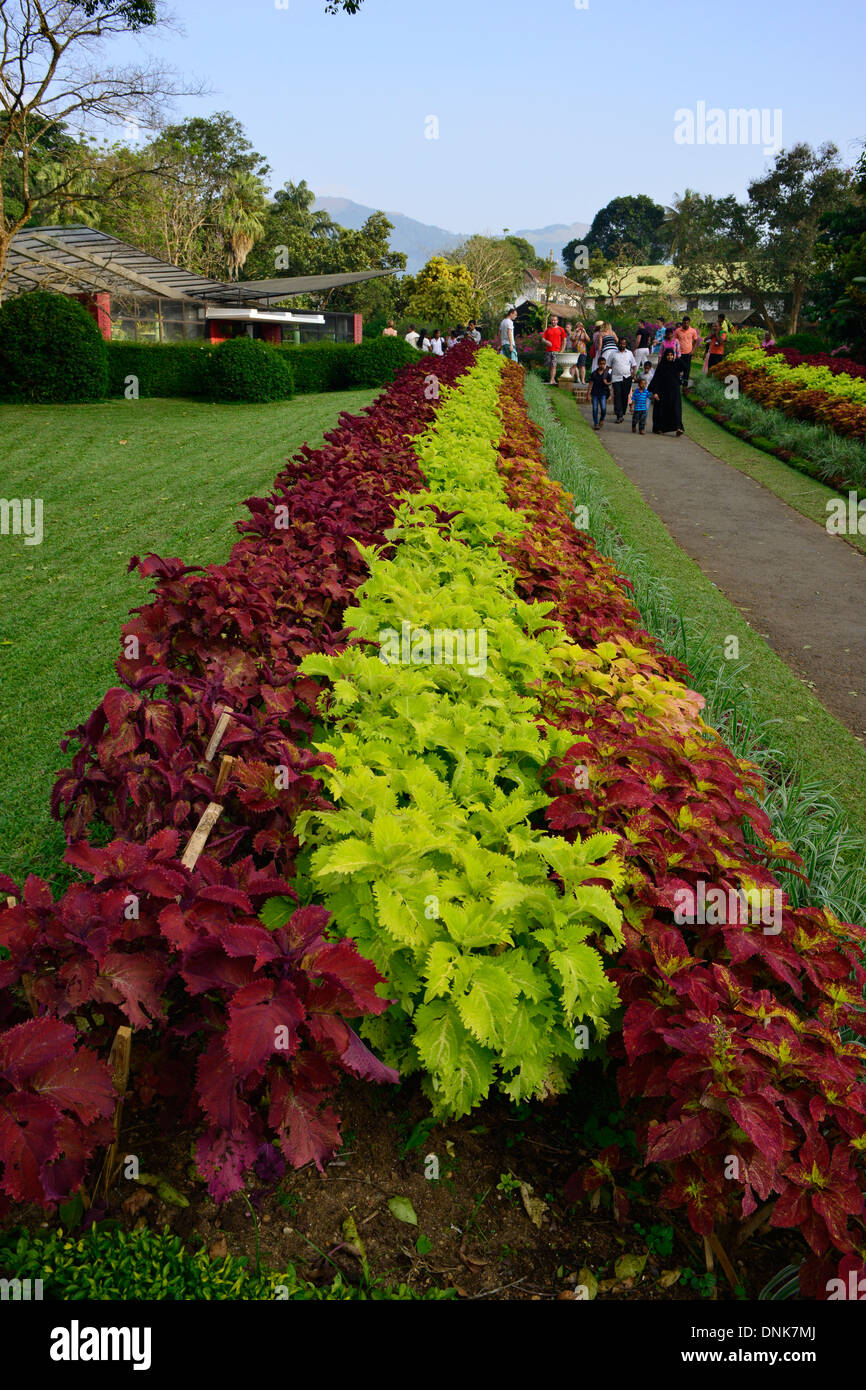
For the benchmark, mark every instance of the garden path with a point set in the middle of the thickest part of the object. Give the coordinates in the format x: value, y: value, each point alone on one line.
x: 802, y: 589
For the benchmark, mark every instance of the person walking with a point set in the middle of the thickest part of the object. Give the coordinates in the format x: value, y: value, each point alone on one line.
x: 411, y: 337
x: 642, y: 344
x: 507, y: 345
x: 423, y: 343
x: 437, y: 344
x: 472, y: 332
x: 665, y: 388
x: 718, y: 339
x: 596, y: 343
x: 553, y: 337
x: 640, y: 400
x: 658, y: 339
x: 688, y: 339
x: 390, y: 331
x: 608, y: 341
x: 599, y: 390
x: 621, y: 365
x: 580, y: 345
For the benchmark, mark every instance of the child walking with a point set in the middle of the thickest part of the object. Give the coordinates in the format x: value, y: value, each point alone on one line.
x: 599, y: 390
x: 640, y: 399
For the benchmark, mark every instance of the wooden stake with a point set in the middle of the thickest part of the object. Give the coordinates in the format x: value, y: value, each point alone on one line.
x: 26, y: 979
x: 730, y: 1272
x: 118, y: 1059
x: 199, y: 836
x: 223, y: 722
x: 226, y: 766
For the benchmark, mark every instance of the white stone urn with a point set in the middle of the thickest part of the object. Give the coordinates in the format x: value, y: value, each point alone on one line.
x: 567, y: 360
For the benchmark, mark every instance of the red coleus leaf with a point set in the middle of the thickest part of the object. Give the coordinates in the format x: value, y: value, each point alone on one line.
x: 222, y: 1159
x: 676, y: 1138
x: 28, y: 1139
x: 263, y: 1020
x: 80, y: 1082
x: 135, y: 981
x: 307, y: 1131
x: 355, y: 1056
x: 25, y: 1049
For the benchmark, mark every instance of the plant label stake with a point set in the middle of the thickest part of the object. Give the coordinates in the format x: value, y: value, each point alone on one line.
x: 118, y: 1059
x: 199, y: 837
x: 223, y: 722
x: 226, y: 766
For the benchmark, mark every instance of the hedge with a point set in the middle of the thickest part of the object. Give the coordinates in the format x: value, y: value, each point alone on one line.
x: 159, y: 369
x: 50, y: 350
x: 184, y: 369
x: 246, y: 369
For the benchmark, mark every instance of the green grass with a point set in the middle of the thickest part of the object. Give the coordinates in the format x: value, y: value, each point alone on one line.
x: 810, y: 742
x: 806, y: 495
x: 116, y: 479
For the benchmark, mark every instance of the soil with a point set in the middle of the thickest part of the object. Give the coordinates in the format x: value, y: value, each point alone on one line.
x: 477, y: 1238
x: 798, y: 586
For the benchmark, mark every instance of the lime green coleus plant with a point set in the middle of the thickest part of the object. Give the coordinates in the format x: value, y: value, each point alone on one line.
x: 433, y: 860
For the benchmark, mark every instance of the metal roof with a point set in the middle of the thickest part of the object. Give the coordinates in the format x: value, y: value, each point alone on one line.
x: 77, y: 259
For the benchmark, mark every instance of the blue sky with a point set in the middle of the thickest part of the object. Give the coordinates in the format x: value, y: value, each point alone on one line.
x: 545, y: 110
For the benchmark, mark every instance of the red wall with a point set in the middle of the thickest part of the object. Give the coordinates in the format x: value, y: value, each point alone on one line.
x: 99, y: 307
x: 358, y: 328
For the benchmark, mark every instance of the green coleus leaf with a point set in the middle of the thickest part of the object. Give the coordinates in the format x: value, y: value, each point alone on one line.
x: 490, y: 1001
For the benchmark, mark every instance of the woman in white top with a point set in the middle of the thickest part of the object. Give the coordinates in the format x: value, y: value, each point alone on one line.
x: 423, y: 343
x: 437, y: 344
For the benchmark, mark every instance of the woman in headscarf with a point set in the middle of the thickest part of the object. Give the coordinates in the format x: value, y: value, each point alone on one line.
x: 665, y: 391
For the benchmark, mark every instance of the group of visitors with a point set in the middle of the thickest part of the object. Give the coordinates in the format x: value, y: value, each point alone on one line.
x: 618, y: 370
x: 435, y: 343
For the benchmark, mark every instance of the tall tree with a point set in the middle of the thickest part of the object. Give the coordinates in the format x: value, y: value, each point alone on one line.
x: 496, y: 271
x: 770, y: 245
x: 633, y: 220
x: 177, y: 208
x: 442, y: 294
x: 54, y: 73
x: 241, y: 218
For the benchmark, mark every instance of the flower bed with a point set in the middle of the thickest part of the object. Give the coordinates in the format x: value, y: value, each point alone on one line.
x: 731, y: 1049
x: 177, y: 951
x: 803, y: 392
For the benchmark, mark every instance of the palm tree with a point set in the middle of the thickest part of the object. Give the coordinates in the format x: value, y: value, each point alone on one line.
x: 676, y: 221
x: 241, y: 218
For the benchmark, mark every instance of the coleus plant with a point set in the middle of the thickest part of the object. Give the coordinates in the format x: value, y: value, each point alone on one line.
x: 431, y: 860
x: 231, y: 636
x: 732, y: 1048
x: 137, y: 944
x: 244, y: 1027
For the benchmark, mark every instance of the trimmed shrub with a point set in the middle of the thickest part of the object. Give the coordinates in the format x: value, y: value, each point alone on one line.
x: 246, y: 369
x: 161, y: 369
x: 375, y: 363
x: 111, y: 1265
x: 805, y: 342
x: 320, y: 366
x: 51, y: 350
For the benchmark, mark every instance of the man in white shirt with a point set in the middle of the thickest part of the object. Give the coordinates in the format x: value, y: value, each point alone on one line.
x: 621, y: 365
x: 412, y: 336
x: 507, y: 344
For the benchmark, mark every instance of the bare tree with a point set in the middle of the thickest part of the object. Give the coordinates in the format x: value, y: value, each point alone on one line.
x: 53, y: 77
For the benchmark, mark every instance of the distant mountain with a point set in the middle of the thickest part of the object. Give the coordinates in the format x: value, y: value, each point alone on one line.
x: 421, y: 240
x: 554, y: 237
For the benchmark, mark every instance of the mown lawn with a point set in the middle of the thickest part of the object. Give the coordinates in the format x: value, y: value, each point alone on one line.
x: 117, y: 479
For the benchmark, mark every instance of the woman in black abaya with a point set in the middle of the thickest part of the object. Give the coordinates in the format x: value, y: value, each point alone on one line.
x: 665, y: 391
